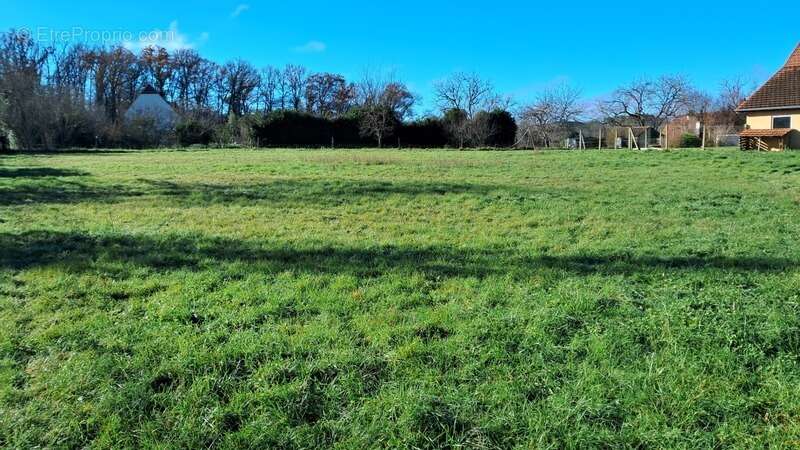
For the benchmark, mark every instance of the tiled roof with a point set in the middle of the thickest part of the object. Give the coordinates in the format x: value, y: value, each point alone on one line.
x: 777, y: 132
x: 794, y: 60
x: 781, y: 91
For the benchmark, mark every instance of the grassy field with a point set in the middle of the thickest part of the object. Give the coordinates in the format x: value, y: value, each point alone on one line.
x: 367, y: 299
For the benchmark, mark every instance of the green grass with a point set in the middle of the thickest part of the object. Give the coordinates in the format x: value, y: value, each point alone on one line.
x: 371, y: 299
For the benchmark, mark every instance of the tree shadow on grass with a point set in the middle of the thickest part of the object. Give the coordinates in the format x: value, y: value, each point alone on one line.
x: 39, y: 172
x: 47, y: 185
x: 326, y: 192
x: 74, y: 151
x: 85, y: 253
x: 283, y: 192
x: 47, y: 191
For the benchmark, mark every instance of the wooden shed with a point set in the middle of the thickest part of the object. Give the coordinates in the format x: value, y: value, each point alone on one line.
x: 765, y: 140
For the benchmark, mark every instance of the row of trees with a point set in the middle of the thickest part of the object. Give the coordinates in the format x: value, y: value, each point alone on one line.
x: 76, y: 96
x: 645, y: 102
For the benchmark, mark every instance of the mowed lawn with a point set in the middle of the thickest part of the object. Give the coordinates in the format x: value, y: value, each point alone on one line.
x: 425, y: 299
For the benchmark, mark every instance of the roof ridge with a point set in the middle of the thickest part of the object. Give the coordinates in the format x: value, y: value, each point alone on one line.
x: 148, y: 90
x: 794, y: 58
x: 781, y: 91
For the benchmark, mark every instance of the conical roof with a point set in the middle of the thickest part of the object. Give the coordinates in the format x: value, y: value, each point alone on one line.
x: 149, y: 90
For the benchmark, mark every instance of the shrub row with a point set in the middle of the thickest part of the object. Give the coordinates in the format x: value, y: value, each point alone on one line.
x: 289, y: 129
x: 296, y: 129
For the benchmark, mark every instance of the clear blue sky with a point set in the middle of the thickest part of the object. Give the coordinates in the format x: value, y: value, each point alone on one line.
x: 521, y: 46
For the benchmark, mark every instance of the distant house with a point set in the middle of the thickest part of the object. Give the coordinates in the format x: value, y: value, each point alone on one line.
x: 715, y: 127
x: 773, y: 111
x: 151, y: 105
x: 675, y: 129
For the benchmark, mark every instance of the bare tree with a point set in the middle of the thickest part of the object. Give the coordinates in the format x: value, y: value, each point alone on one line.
x: 546, y: 118
x: 239, y: 83
x: 499, y: 102
x: 328, y: 95
x: 281, y: 90
x: 384, y: 103
x: 647, y: 102
x: 97, y: 70
x: 218, y: 89
x: 732, y: 93
x: 268, y: 91
x: 461, y: 97
x: 670, y: 98
x: 158, y: 68
x: 22, y: 61
x: 71, y: 70
x: 117, y: 76
x: 464, y: 91
x: 5, y: 139
x: 202, y: 89
x: 629, y: 103
x: 700, y: 105
x: 294, y: 78
x: 187, y: 72
x: 73, y: 122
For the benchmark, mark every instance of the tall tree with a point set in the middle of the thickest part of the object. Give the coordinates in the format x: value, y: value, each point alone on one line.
x: 328, y: 95
x: 457, y: 126
x: 466, y: 92
x: 71, y: 70
x: 546, y: 118
x: 74, y: 122
x: 202, y: 91
x: 117, y: 79
x: 295, y: 84
x: 187, y: 72
x: 700, y: 104
x: 732, y: 93
x: 158, y: 68
x: 268, y: 91
x: 647, y: 102
x: 22, y: 62
x: 239, y: 83
x: 282, y: 91
x: 384, y: 104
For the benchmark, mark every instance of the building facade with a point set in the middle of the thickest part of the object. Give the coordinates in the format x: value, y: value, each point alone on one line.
x: 773, y: 111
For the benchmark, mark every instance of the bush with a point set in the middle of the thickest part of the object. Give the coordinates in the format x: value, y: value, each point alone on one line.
x: 194, y: 132
x: 297, y: 129
x: 292, y: 129
x: 426, y: 133
x: 689, y: 140
x: 238, y: 131
x: 144, y: 132
x: 346, y: 131
x: 496, y: 129
x: 72, y: 124
x: 457, y: 126
x: 77, y: 129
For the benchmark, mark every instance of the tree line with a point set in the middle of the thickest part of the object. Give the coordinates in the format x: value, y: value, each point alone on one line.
x: 76, y: 96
